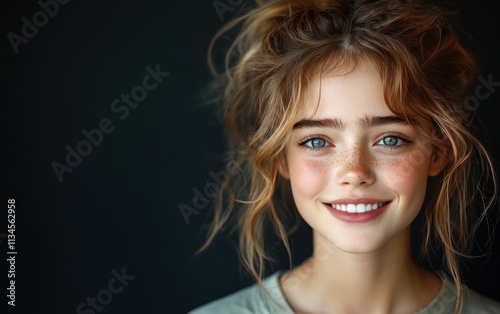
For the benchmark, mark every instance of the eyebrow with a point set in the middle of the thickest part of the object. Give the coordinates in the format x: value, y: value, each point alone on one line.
x: 366, y: 122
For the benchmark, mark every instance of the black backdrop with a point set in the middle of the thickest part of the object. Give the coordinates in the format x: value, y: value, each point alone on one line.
x: 111, y: 228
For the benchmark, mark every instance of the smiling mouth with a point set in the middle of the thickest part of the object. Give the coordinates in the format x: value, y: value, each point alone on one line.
x: 358, y: 208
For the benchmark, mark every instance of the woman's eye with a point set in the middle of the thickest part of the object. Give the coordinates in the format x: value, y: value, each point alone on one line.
x: 391, y: 140
x: 316, y: 143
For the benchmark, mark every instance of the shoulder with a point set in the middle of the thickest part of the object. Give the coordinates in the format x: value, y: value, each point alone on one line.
x: 253, y: 299
x: 480, y: 304
x: 473, y: 302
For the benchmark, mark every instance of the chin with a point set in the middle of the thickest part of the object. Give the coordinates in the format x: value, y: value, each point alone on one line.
x: 359, y: 242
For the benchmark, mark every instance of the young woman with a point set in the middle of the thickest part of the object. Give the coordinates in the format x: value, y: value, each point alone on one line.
x: 350, y: 115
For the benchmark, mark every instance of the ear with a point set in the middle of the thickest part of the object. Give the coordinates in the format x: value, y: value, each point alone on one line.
x: 437, y: 163
x: 283, y: 167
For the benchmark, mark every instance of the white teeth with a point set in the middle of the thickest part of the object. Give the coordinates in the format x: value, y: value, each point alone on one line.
x: 356, y: 208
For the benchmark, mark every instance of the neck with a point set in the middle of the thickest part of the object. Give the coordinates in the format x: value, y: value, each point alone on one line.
x: 384, y: 281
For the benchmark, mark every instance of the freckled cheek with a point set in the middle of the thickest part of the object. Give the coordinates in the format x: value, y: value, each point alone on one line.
x: 405, y: 173
x: 308, y: 177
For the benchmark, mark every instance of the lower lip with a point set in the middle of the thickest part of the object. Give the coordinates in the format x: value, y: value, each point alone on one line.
x: 356, y: 217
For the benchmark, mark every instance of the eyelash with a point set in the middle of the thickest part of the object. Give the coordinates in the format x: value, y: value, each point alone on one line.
x: 309, y: 138
x: 404, y: 139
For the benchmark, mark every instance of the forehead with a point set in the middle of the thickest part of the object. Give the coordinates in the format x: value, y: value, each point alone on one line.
x: 335, y: 93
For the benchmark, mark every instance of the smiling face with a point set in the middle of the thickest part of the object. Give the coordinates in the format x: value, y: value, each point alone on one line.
x: 358, y: 172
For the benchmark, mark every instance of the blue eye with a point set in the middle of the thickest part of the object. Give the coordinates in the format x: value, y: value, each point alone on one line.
x: 315, y: 143
x: 392, y: 140
x: 318, y: 142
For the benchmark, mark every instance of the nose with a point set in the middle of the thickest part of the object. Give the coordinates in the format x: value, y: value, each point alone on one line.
x: 355, y: 167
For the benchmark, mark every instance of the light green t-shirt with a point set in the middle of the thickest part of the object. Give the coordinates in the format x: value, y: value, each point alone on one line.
x: 254, y: 300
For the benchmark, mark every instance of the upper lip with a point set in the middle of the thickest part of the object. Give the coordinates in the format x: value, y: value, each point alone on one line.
x: 363, y: 200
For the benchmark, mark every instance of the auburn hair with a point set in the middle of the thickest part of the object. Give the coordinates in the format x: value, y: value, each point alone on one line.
x: 280, y: 46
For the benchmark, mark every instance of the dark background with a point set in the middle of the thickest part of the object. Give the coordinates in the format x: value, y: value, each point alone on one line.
x: 120, y: 206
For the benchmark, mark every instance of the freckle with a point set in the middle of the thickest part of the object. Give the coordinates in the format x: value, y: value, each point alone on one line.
x: 371, y: 161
